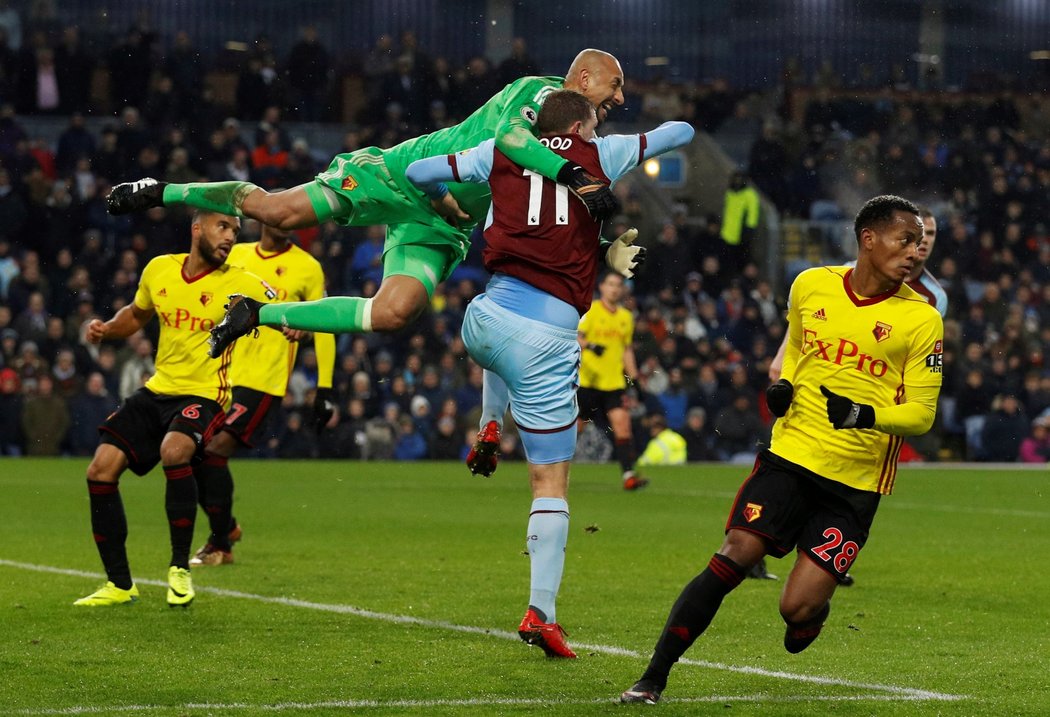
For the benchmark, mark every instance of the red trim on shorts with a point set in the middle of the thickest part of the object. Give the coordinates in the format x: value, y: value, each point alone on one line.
x: 213, y: 426
x: 736, y: 501
x: 826, y: 567
x: 264, y: 406
x: 455, y: 169
x: 128, y: 450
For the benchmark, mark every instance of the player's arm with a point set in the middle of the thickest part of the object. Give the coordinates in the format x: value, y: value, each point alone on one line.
x: 123, y: 324
x: 630, y: 364
x: 781, y: 392
x: 432, y: 174
x: 922, y: 386
x: 620, y: 153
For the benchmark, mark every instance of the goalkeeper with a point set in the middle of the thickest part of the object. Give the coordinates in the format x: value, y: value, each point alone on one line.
x: 425, y: 240
x: 861, y: 371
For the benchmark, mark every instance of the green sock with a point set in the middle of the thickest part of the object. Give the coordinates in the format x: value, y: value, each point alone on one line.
x: 333, y: 315
x: 222, y: 197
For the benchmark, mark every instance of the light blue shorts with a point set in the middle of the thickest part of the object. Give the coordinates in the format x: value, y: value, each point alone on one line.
x: 540, y: 364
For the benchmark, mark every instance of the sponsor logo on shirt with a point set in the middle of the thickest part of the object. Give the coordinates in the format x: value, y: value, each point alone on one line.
x: 881, y: 332
x: 842, y: 352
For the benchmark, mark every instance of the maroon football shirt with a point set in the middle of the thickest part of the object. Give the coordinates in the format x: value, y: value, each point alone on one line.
x: 541, y: 232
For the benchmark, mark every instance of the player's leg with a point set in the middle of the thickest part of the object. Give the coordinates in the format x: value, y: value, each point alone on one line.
x: 695, y: 608
x: 303, y: 206
x: 830, y: 540
x: 765, y: 518
x: 546, y: 538
x: 215, y: 496
x: 805, y: 602
x: 483, y: 457
x: 411, y: 272
x: 623, y: 445
x: 180, y: 495
x: 128, y: 439
x: 109, y: 525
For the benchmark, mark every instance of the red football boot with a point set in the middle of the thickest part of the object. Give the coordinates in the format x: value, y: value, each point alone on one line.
x: 484, y: 456
x: 549, y: 637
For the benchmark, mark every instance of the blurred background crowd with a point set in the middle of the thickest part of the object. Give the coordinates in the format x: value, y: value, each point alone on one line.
x: 709, y: 314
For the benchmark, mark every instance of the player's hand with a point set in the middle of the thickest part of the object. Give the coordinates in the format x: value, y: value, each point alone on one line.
x: 596, y: 349
x: 778, y: 397
x: 294, y: 335
x: 324, y: 408
x: 844, y: 413
x: 593, y: 192
x: 96, y: 331
x: 622, y: 256
x: 449, y: 208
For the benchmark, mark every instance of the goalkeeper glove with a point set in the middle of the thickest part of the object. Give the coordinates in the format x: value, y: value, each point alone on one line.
x: 593, y: 192
x: 844, y: 413
x: 598, y: 349
x: 622, y: 256
x: 778, y: 397
x: 324, y: 407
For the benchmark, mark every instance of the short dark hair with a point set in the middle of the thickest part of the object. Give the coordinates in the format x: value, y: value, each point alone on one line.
x: 561, y: 109
x: 879, y: 210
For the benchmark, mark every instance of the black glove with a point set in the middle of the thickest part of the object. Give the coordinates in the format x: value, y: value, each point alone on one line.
x: 600, y: 201
x: 844, y: 413
x: 598, y: 349
x: 778, y: 397
x: 324, y: 407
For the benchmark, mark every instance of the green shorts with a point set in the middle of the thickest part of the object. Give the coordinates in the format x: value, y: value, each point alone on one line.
x: 359, y: 190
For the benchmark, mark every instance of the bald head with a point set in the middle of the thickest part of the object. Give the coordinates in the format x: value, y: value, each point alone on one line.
x: 597, y: 76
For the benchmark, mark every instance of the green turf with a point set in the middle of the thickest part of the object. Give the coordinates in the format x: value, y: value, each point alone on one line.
x: 951, y: 597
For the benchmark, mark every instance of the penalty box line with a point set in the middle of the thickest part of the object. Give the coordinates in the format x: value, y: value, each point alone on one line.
x: 906, y: 693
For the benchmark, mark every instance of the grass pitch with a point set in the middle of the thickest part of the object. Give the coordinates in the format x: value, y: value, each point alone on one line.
x: 385, y: 589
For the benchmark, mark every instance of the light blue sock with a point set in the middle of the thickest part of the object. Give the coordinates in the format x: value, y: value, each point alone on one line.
x: 494, y: 399
x: 548, y: 533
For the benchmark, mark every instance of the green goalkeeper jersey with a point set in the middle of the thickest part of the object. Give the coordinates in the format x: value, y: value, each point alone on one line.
x: 509, y: 117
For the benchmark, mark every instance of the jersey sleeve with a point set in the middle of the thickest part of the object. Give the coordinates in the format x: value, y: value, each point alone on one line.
x: 143, y: 298
x: 922, y: 383
x: 621, y: 153
x: 628, y: 334
x: 474, y: 165
x: 794, y: 334
x: 431, y: 174
x: 515, y: 136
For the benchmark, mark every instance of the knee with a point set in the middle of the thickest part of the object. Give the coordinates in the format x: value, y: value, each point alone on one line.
x: 100, y: 473
x: 394, y: 315
x: 797, y: 609
x: 173, y: 453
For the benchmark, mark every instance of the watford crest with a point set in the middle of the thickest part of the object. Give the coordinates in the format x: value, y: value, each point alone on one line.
x: 349, y: 184
x: 752, y: 512
x: 206, y: 298
x: 881, y: 331
x: 280, y: 270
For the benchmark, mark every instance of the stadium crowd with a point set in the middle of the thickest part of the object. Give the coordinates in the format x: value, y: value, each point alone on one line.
x: 708, y: 322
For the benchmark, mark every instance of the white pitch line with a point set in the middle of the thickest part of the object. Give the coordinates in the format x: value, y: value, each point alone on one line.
x: 432, y: 704
x: 893, y: 691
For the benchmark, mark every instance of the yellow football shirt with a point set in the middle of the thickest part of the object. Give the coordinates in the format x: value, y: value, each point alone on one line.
x: 879, y: 351
x: 265, y: 363
x: 188, y: 308
x: 615, y: 331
